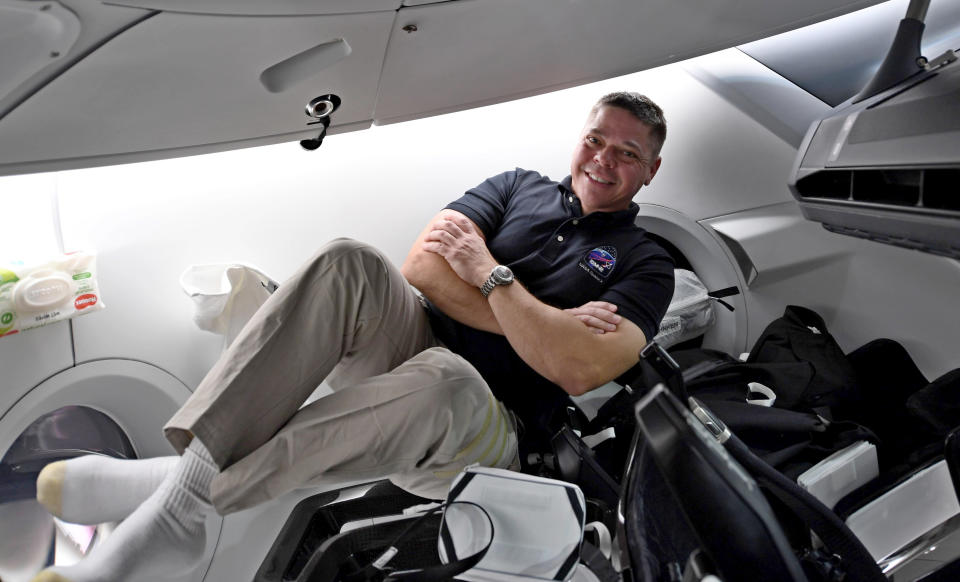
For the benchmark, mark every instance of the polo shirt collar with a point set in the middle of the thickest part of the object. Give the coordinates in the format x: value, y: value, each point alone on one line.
x: 620, y: 217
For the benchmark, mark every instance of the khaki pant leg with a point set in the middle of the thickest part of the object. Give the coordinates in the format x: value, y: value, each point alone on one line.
x: 347, y: 299
x: 419, y: 424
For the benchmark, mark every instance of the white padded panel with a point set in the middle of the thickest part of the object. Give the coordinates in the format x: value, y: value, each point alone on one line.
x: 475, y: 52
x: 264, y: 7
x: 176, y: 80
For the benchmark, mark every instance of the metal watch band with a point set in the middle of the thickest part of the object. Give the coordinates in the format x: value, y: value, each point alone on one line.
x: 499, y: 275
x: 488, y: 286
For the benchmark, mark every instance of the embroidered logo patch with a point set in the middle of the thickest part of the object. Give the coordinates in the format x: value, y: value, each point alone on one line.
x: 600, y: 262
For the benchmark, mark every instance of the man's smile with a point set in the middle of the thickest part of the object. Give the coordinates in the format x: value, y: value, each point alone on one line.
x: 597, y: 179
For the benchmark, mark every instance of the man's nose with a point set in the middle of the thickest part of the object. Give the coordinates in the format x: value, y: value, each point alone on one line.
x: 605, y: 157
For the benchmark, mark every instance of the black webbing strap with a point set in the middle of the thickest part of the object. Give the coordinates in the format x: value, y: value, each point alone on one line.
x: 859, y: 564
x: 443, y: 572
x: 725, y: 292
x: 336, y: 553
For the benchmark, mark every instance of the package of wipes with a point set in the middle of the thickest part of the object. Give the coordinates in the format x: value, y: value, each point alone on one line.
x: 35, y: 293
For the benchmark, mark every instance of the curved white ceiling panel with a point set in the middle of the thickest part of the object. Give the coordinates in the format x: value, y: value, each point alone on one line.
x: 470, y: 53
x: 177, y: 81
x: 150, y: 79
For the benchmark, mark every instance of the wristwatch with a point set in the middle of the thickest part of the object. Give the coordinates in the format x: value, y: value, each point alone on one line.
x: 500, y: 275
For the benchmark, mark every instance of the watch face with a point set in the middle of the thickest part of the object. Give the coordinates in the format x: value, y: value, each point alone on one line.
x: 502, y: 274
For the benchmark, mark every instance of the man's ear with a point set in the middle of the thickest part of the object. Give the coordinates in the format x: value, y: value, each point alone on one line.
x: 653, y: 171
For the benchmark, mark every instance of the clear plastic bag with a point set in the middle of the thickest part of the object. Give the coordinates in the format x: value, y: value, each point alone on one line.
x: 690, y: 313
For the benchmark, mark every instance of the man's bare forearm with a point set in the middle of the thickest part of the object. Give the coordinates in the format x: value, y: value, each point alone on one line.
x: 559, y: 346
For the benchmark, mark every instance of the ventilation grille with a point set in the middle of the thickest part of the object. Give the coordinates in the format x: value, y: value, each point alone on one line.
x: 936, y: 190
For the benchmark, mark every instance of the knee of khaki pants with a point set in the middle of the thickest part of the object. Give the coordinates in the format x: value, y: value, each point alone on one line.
x: 404, y: 330
x: 342, y: 246
x: 478, y: 430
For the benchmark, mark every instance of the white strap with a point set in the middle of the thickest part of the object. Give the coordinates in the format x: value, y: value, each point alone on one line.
x: 604, y: 435
x: 758, y: 388
x: 604, y: 543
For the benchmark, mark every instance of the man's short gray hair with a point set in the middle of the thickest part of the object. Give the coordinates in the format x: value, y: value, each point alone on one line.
x: 641, y: 107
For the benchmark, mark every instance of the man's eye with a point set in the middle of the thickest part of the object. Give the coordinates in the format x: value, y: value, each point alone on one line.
x: 592, y: 139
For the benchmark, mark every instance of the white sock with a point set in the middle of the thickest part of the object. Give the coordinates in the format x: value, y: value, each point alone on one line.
x: 94, y: 488
x: 164, y: 537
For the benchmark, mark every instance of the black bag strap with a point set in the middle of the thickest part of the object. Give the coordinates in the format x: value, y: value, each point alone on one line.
x: 725, y: 292
x: 440, y: 572
x: 859, y: 564
x: 336, y: 551
x: 446, y: 571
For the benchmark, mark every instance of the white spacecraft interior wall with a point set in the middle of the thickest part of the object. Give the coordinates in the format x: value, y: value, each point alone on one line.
x: 273, y: 206
x: 30, y: 233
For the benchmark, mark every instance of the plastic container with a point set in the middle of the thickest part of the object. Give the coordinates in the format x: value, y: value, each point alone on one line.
x: 37, y: 294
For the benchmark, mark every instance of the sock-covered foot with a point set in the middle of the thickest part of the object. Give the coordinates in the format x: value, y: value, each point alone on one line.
x: 164, y: 537
x: 94, y: 489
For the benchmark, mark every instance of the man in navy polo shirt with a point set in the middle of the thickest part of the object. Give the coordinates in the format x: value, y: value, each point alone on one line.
x: 534, y: 290
x: 572, y: 248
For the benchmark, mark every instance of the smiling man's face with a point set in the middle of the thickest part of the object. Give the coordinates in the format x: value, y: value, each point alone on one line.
x: 615, y: 157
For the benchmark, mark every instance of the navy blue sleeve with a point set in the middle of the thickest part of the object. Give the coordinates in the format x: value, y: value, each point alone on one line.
x: 486, y: 203
x: 644, y: 293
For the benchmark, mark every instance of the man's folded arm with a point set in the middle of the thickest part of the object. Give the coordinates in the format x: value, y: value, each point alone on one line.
x: 559, y: 346
x: 433, y: 276
x: 562, y: 346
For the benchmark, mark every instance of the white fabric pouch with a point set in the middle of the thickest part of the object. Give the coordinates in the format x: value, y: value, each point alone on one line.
x: 536, y: 525
x: 690, y: 313
x: 225, y: 296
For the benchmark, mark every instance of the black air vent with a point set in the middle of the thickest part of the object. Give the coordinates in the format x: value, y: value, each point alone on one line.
x: 833, y: 184
x: 941, y: 189
x: 935, y: 190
